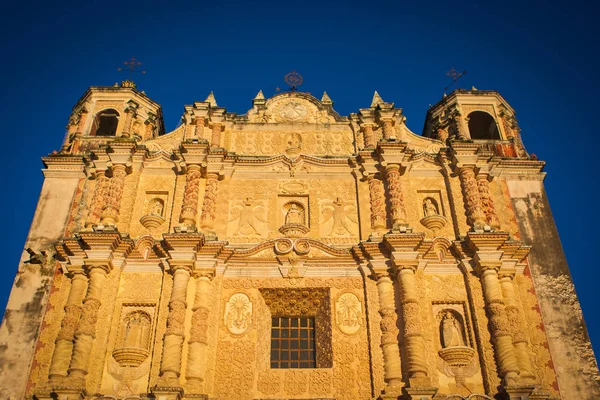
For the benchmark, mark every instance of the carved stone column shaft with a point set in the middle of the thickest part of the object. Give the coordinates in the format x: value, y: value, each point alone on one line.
x: 189, y: 210
x: 130, y: 114
x: 377, y: 194
x: 82, y: 121
x: 388, y: 129
x: 199, y: 127
x: 209, y: 201
x: 516, y: 324
x: 99, y: 198
x: 389, y: 330
x: 413, y: 339
x: 395, y: 195
x: 368, y: 136
x: 487, y: 203
x: 86, y: 329
x: 173, y: 341
x: 505, y: 355
x: 198, y: 343
x: 63, y: 349
x: 113, y: 197
x: 475, y: 216
x: 215, y: 140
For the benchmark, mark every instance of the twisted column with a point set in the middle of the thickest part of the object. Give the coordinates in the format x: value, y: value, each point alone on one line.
x: 413, y: 339
x: 507, y: 363
x: 516, y: 323
x: 215, y: 140
x: 368, y: 136
x: 86, y: 329
x: 198, y: 343
x: 98, y: 199
x: 63, y: 348
x: 209, y: 202
x: 377, y: 194
x: 475, y: 215
x: 189, y: 209
x: 388, y: 129
x: 487, y: 203
x: 110, y: 213
x: 395, y: 196
x: 174, y: 335
x: 389, y: 333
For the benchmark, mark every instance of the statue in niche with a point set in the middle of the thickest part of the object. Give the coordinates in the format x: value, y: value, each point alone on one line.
x: 137, y: 330
x: 341, y: 214
x: 451, y: 331
x: 155, y: 207
x: 293, y: 144
x: 249, y: 215
x: 294, y: 215
x: 429, y: 207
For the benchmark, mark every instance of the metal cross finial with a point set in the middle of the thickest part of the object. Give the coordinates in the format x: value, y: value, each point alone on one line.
x: 131, y: 67
x: 455, y: 75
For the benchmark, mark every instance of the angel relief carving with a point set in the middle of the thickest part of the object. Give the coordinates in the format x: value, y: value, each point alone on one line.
x: 248, y: 218
x: 338, y: 218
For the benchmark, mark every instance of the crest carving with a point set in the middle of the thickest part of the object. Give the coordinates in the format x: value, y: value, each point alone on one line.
x: 348, y: 313
x: 238, y: 314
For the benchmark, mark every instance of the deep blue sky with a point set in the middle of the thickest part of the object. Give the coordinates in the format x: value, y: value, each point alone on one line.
x: 541, y: 57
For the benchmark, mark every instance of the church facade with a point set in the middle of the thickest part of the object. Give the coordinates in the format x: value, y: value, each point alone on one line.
x: 293, y: 253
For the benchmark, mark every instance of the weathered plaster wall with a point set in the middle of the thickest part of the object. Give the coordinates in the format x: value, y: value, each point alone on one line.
x: 25, y: 309
x: 568, y: 339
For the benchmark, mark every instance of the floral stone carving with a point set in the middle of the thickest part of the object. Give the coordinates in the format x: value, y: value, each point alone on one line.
x: 238, y: 314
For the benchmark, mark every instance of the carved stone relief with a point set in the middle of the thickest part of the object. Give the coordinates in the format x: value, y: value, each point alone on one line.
x: 338, y: 218
x: 348, y: 313
x: 248, y: 217
x: 238, y: 314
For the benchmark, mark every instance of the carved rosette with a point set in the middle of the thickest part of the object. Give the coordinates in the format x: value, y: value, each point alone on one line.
x: 475, y: 215
x: 113, y: 198
x: 377, y: 192
x: 396, y: 198
x: 368, y: 135
x: 189, y: 209
x: 209, y: 201
x: 98, y: 199
x: 487, y: 203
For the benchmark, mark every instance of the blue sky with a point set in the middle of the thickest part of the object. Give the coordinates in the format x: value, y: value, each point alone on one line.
x: 541, y: 57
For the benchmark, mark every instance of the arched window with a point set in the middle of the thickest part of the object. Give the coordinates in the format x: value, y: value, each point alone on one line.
x: 483, y: 126
x: 105, y: 123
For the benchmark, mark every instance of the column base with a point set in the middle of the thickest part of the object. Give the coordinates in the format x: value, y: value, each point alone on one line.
x: 519, y: 392
x: 421, y: 392
x: 393, y: 391
x: 167, y: 392
x: 62, y: 393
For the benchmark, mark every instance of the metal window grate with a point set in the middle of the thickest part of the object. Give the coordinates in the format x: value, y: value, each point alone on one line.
x: 293, y: 342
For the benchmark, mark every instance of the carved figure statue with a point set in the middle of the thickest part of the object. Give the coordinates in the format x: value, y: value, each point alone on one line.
x: 430, y: 208
x: 451, y: 331
x: 341, y: 215
x: 156, y: 207
x: 137, y: 330
x: 248, y: 215
x: 294, y: 215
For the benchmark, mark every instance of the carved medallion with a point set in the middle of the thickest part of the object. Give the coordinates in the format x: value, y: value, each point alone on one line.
x: 292, y: 111
x: 348, y: 313
x: 238, y: 314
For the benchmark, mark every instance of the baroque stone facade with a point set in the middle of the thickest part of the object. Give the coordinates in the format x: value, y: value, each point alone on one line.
x: 293, y: 253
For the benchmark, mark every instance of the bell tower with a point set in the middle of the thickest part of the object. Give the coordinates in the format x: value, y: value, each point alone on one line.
x: 476, y: 115
x: 106, y: 112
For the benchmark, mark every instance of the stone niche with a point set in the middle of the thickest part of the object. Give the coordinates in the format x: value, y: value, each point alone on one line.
x: 154, y: 209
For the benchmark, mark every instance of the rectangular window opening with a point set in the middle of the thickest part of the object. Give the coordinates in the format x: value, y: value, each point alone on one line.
x: 297, y: 336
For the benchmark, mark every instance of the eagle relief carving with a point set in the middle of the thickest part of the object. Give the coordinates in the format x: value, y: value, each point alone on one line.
x: 338, y: 218
x: 248, y: 218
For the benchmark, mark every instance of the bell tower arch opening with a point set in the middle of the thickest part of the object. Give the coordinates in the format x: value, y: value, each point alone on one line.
x: 105, y: 123
x: 482, y: 126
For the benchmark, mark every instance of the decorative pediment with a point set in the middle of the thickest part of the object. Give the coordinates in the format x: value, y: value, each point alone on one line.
x: 293, y: 107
